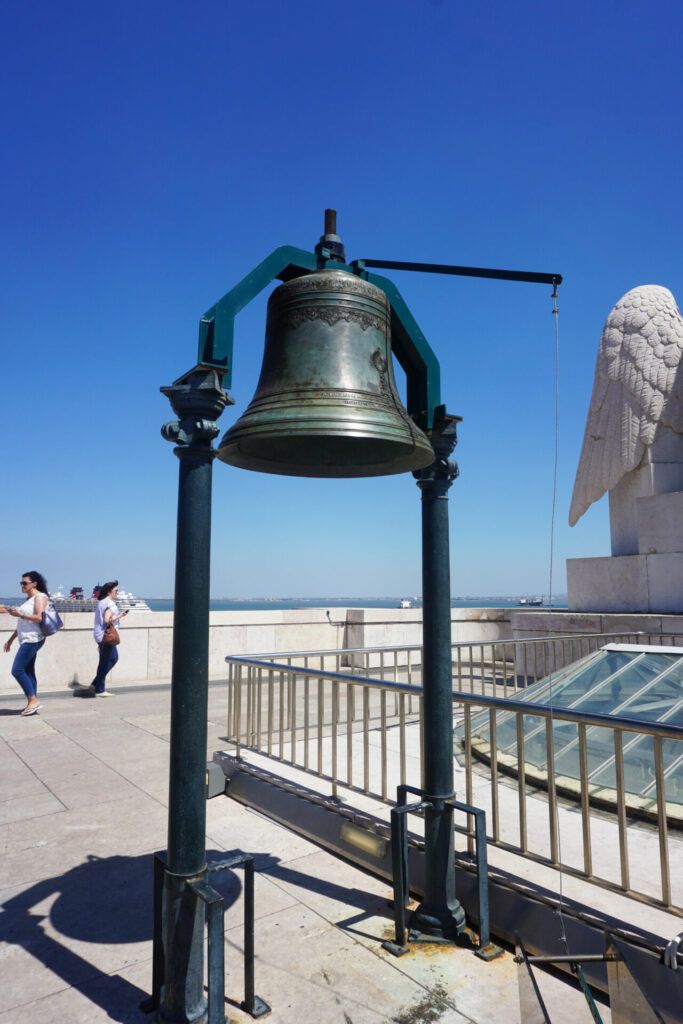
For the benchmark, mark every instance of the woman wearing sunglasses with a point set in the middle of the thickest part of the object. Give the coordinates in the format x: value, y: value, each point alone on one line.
x: 31, y: 639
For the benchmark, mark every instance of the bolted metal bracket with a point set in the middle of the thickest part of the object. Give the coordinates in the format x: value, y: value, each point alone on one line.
x: 197, y: 398
x: 214, y: 904
x: 483, y: 948
x: 187, y: 432
x: 444, y: 437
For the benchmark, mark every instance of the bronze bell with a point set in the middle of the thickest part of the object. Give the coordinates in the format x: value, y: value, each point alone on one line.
x: 326, y: 403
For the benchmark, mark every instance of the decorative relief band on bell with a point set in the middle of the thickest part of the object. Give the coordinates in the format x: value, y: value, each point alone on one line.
x: 337, y: 281
x: 331, y: 315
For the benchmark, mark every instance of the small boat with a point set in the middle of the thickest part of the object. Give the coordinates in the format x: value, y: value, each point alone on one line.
x: 405, y: 602
x: 531, y: 602
x: 129, y: 602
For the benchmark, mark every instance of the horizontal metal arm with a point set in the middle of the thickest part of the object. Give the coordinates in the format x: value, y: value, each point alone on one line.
x: 530, y: 276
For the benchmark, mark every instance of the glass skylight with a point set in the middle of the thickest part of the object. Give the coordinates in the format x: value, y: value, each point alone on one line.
x: 620, y: 680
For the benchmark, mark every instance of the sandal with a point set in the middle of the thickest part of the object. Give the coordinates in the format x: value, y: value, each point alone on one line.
x: 30, y: 709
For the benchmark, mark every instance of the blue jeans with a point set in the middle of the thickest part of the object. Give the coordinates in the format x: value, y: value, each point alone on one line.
x: 24, y: 667
x: 109, y: 655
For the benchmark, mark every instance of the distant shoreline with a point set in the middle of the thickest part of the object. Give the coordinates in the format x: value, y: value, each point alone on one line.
x: 165, y: 604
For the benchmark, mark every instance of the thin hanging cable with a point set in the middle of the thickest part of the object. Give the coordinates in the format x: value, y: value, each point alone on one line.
x: 556, y: 317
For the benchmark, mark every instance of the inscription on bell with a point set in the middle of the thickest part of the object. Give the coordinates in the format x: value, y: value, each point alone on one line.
x: 351, y: 398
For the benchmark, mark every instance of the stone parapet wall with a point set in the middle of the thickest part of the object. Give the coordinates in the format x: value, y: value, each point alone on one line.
x: 543, y: 623
x: 570, y: 625
x: 146, y: 639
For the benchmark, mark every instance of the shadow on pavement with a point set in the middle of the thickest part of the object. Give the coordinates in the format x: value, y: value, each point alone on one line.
x: 108, y: 901
x: 105, y: 900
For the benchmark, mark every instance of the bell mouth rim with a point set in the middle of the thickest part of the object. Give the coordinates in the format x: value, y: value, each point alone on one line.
x: 386, y: 456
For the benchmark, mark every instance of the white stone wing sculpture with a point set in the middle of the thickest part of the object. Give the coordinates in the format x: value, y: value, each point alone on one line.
x: 636, y: 387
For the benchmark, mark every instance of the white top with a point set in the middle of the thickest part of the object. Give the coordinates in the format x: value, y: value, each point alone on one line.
x: 29, y: 632
x: 100, y: 609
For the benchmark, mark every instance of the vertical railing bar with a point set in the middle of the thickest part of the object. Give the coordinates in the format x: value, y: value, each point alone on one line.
x: 250, y: 693
x: 383, y: 736
x: 288, y: 695
x: 321, y: 720
x: 402, y: 737
x: 231, y: 700
x: 259, y: 708
x: 468, y: 773
x: 335, y: 724
x: 482, y: 668
x: 292, y: 707
x: 459, y: 661
x: 271, y: 701
x: 366, y: 739
x: 307, y: 719
x: 662, y: 824
x: 422, y: 742
x: 585, y: 802
x: 281, y: 715
x: 552, y: 791
x: 621, y: 808
x: 349, y: 735
x: 238, y: 712
x: 471, y: 653
x: 230, y: 696
x: 250, y: 730
x: 521, y: 782
x: 249, y: 990
x: 493, y: 760
x: 505, y: 673
x: 395, y: 680
x: 215, y: 920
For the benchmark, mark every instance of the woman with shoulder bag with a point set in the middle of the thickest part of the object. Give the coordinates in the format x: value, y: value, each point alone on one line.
x: 107, y: 615
x: 31, y: 638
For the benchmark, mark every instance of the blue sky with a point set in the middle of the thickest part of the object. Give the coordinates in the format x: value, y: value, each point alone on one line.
x: 155, y: 152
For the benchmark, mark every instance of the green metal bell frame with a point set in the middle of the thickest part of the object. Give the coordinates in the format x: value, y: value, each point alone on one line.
x: 326, y: 403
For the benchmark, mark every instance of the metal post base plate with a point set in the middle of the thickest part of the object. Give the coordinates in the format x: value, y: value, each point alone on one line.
x: 259, y: 1009
x: 489, y: 952
x: 395, y: 949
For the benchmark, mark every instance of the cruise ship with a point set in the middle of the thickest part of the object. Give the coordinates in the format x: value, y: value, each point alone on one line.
x: 76, y: 601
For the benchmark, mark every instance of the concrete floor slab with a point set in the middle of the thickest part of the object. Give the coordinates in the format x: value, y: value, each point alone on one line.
x: 35, y: 806
x: 46, y: 847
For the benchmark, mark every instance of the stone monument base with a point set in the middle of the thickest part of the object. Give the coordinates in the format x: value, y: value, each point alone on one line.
x: 647, y: 583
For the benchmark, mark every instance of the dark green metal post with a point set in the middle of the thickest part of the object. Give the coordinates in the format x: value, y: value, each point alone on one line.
x: 197, y: 398
x: 440, y: 915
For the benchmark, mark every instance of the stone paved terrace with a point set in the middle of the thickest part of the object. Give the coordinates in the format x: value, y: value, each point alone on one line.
x: 83, y: 805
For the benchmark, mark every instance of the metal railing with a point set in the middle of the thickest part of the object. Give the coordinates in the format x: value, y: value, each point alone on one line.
x: 477, y: 666
x: 363, y: 732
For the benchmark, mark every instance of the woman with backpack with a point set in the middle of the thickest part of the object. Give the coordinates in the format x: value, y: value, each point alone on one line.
x: 31, y: 638
x: 107, y: 615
